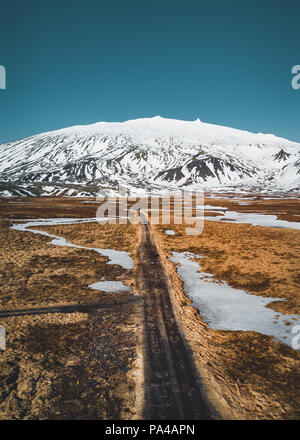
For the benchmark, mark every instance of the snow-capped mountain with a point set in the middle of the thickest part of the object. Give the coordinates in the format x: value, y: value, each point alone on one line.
x: 148, y: 153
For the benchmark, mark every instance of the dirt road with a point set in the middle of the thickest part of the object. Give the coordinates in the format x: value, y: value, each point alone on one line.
x: 173, y: 388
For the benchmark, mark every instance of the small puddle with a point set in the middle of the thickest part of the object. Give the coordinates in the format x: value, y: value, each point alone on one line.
x: 170, y: 232
x: 226, y: 308
x: 110, y: 286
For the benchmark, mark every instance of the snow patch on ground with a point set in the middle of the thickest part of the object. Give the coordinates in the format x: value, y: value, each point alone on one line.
x: 110, y: 286
x: 267, y: 220
x: 226, y: 308
x: 121, y: 258
x: 170, y: 232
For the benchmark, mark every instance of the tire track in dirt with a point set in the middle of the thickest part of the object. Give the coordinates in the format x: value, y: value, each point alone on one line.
x: 172, y: 385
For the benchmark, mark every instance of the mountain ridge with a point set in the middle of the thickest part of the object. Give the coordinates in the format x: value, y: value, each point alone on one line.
x: 148, y: 153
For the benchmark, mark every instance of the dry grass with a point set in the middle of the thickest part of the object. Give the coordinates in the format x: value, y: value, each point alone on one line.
x: 247, y: 375
x: 67, y: 366
x: 34, y: 272
x: 74, y: 366
x: 263, y: 261
x: 86, y: 365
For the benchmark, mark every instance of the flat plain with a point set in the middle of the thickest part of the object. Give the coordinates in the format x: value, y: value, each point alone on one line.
x: 89, y: 362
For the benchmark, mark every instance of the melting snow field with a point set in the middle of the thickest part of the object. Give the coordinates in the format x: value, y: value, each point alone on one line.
x: 224, y: 215
x: 226, y: 308
x: 121, y: 258
x: 268, y: 220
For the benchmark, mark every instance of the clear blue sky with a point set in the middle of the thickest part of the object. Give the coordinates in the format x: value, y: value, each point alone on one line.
x: 75, y: 62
